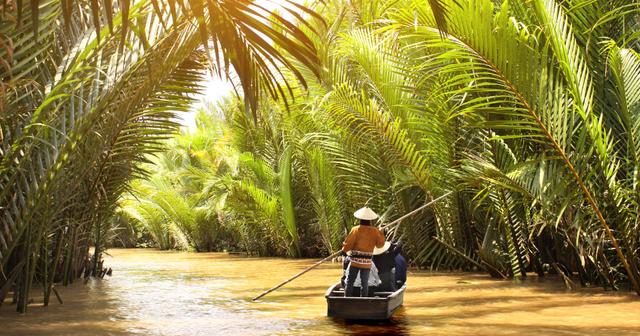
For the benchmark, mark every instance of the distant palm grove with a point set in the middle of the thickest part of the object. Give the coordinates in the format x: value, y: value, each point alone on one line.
x: 528, y: 111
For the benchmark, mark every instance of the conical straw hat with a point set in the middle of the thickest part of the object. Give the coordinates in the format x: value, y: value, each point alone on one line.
x: 365, y: 213
x: 382, y: 249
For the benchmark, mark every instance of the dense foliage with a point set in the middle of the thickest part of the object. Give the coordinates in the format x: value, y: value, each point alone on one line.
x: 527, y: 110
x: 88, y: 89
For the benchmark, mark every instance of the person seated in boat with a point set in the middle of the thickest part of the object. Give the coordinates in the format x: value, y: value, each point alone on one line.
x: 361, y: 241
x: 384, y: 260
x: 400, y: 270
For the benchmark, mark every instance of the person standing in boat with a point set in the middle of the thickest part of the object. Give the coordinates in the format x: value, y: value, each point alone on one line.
x: 361, y: 241
x: 374, y: 277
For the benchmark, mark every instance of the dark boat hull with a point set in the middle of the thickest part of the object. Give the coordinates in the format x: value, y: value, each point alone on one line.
x: 380, y: 307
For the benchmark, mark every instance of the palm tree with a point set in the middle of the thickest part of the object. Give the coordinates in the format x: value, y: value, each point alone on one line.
x: 516, y: 108
x: 502, y: 108
x: 533, y: 82
x: 85, y: 101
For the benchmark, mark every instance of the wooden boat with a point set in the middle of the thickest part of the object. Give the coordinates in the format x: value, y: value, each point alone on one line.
x: 380, y: 306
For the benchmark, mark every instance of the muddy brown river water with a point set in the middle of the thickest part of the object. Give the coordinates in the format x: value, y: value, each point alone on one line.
x: 176, y: 293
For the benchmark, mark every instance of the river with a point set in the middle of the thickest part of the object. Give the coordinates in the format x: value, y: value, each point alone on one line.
x: 178, y: 293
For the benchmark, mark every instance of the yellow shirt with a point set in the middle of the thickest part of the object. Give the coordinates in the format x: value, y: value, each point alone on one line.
x: 361, y: 241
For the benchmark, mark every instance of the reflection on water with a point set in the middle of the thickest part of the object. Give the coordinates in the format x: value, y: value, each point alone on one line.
x: 397, y: 325
x: 175, y: 293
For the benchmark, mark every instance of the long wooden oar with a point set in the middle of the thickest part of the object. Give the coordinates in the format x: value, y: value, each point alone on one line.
x: 297, y: 275
x: 337, y: 253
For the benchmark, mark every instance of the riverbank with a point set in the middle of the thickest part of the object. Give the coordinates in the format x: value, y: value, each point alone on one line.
x: 156, y: 292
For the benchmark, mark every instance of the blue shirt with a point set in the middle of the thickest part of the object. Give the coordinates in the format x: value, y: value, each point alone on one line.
x: 401, y: 268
